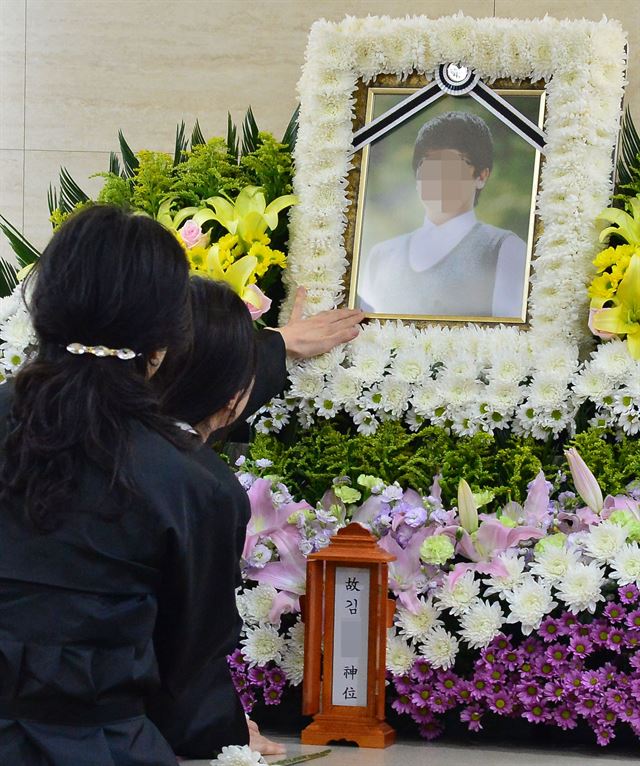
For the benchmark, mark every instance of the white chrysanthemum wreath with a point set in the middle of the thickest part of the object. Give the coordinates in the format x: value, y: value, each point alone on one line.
x: 470, y: 378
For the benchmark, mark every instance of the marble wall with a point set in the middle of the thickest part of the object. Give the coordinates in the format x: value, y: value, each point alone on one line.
x: 73, y: 72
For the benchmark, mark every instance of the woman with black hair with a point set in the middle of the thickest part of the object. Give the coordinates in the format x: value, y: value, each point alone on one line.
x: 227, y: 374
x: 118, y: 551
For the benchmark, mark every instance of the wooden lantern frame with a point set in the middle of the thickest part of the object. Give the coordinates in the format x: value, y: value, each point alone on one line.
x: 352, y: 547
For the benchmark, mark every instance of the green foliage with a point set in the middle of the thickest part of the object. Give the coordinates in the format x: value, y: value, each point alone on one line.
x: 316, y: 457
x: 116, y: 190
x: 208, y: 171
x: 272, y: 166
x: 151, y: 181
x: 628, y: 169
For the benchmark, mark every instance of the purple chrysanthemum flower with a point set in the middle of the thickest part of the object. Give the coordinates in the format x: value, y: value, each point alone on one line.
x: 403, y: 684
x: 592, y: 680
x: 616, y: 700
x: 587, y: 705
x: 556, y: 653
x: 276, y: 678
x: 615, y: 640
x: 236, y: 660
x: 528, y: 692
x: 565, y: 718
x: 421, y: 670
x: 422, y: 715
x: 599, y: 633
x: 248, y: 700
x: 549, y: 629
x: 629, y: 594
x: 572, y: 681
x: 258, y: 675
x: 580, y: 647
x: 633, y: 619
x: 604, y: 734
x: 272, y: 695
x: 615, y: 612
x: 536, y: 713
x: 553, y: 691
x: 421, y: 696
x: 501, y: 703
x: 472, y: 716
x: 403, y: 704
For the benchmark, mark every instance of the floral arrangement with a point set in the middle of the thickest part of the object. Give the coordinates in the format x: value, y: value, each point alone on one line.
x: 530, y: 610
x: 470, y: 378
x: 222, y: 199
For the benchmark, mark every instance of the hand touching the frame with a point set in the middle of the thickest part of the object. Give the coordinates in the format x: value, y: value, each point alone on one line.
x: 318, y: 334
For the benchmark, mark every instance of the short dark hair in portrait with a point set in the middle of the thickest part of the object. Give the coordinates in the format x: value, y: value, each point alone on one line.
x: 110, y: 278
x: 464, y: 132
x: 221, y: 362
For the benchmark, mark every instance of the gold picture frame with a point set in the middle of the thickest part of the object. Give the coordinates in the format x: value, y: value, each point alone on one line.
x: 357, y: 187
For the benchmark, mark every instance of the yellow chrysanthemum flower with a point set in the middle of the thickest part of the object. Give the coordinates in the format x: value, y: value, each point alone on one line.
x: 197, y: 257
x: 602, y: 287
x: 267, y: 257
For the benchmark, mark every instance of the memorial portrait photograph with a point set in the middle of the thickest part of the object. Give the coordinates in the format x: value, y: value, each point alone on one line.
x: 445, y: 218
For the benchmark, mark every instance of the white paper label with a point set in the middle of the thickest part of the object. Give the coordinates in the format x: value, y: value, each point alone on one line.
x: 351, y: 636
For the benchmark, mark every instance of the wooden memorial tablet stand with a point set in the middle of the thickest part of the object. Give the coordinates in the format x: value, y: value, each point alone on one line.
x: 346, y: 614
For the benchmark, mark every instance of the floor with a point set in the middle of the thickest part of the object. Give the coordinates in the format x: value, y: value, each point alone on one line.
x: 438, y: 754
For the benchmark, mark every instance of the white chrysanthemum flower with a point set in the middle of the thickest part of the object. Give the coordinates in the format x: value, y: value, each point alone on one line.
x: 326, y: 363
x: 426, y: 399
x: 581, y: 587
x: 529, y: 602
x: 345, y: 385
x: 604, y: 540
x: 591, y: 385
x: 305, y: 383
x: 395, y: 395
x: 293, y: 665
x: 410, y: 365
x: 552, y: 562
x: 417, y: 626
x: 12, y: 358
x: 458, y: 597
x: 326, y: 406
x: 17, y: 330
x: 498, y: 585
x: 10, y: 304
x: 440, y: 648
x: 400, y: 655
x: 262, y: 644
x: 613, y: 360
x: 626, y: 565
x: 254, y: 604
x: 238, y: 755
x: 508, y: 366
x: 481, y: 623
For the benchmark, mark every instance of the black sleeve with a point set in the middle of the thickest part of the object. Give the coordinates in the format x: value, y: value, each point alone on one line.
x: 271, y: 371
x: 197, y: 615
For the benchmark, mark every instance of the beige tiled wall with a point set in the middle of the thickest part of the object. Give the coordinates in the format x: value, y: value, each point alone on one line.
x: 73, y: 72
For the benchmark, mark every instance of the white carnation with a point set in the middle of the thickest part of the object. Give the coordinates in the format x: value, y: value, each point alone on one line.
x: 529, y: 602
x: 262, y: 644
x: 480, y: 623
x: 626, y: 565
x: 400, y: 655
x: 604, y: 540
x: 440, y: 648
x: 581, y: 587
x: 458, y: 597
x: 417, y: 626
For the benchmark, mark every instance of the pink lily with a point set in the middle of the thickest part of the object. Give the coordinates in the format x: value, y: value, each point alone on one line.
x: 493, y: 568
x: 620, y: 503
x: 266, y: 518
x: 288, y: 575
x: 536, y: 506
x: 256, y: 301
x: 585, y: 482
x: 406, y: 571
x: 492, y: 538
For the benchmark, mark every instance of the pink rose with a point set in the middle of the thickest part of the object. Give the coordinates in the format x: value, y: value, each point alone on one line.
x: 256, y: 301
x: 191, y: 234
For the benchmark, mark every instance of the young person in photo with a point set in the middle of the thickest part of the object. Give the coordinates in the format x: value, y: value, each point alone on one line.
x: 454, y: 264
x: 118, y: 550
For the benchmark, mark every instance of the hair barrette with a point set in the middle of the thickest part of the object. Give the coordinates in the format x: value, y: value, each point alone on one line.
x: 120, y: 353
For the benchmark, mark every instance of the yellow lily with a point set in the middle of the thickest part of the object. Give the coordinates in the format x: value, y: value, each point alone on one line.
x: 173, y: 220
x: 626, y: 226
x: 249, y: 216
x: 240, y: 276
x: 624, y: 317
